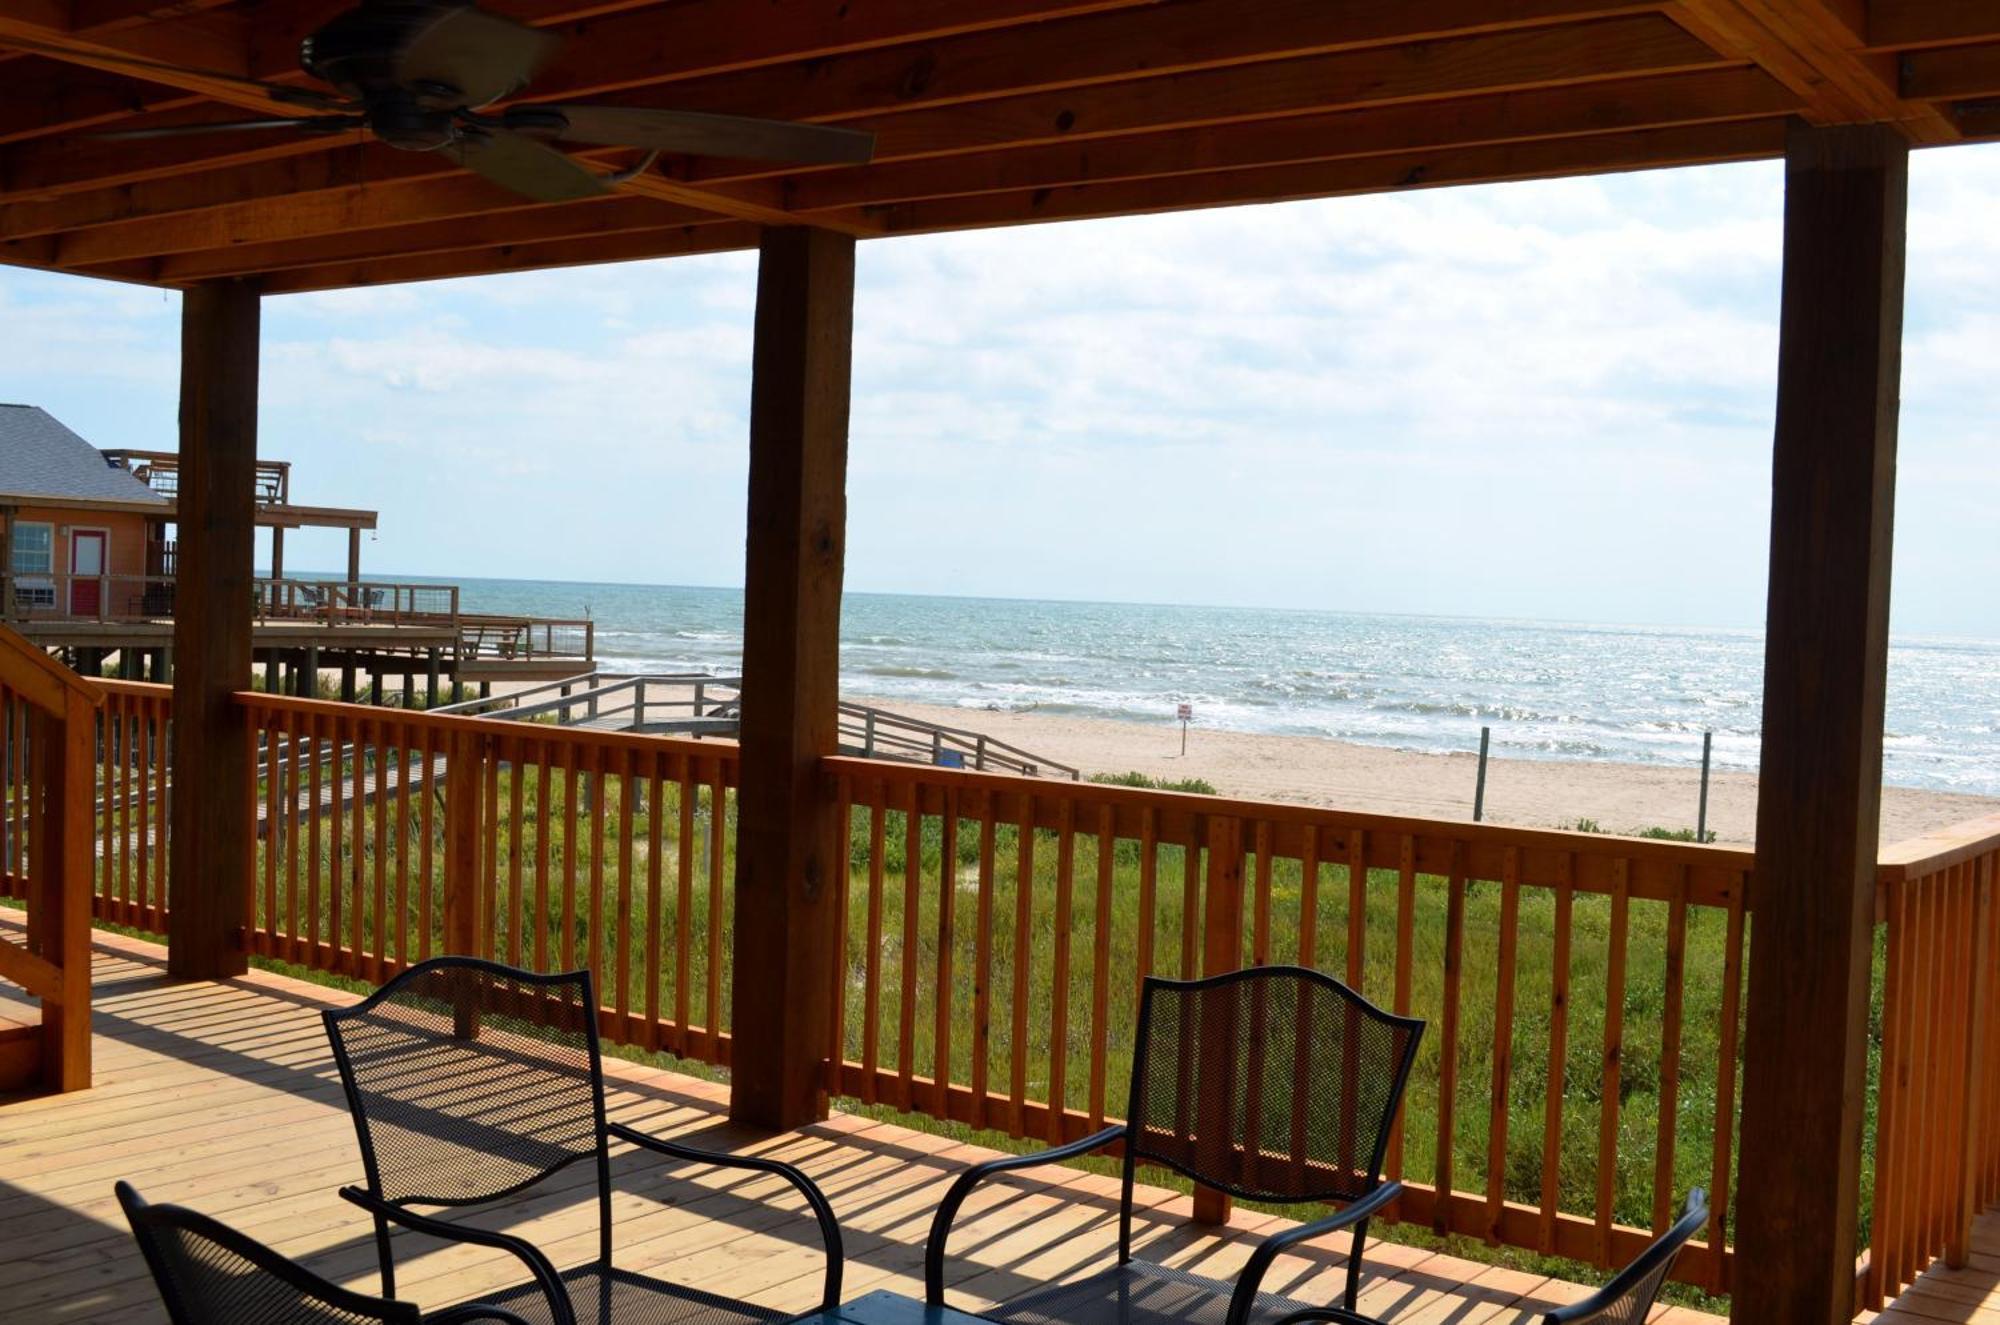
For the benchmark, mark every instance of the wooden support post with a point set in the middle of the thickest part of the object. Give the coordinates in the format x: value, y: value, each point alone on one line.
x: 1221, y: 951
x: 1820, y: 781
x: 271, y: 673
x: 791, y: 867
x: 277, y: 552
x: 347, y: 678
x: 309, y: 673
x: 431, y: 680
x: 211, y: 859
x: 354, y: 557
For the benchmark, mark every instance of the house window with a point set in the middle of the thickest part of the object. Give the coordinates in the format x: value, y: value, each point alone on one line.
x: 34, y: 549
x: 34, y: 553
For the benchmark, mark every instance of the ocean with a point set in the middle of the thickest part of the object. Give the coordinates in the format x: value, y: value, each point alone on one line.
x: 1548, y: 690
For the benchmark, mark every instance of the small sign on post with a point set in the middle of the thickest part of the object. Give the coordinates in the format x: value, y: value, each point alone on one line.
x: 1186, y: 715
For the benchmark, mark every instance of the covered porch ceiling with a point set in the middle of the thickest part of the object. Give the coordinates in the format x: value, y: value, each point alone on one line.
x: 986, y: 112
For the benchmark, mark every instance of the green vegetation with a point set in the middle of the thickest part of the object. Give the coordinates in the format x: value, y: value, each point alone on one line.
x: 1199, y: 786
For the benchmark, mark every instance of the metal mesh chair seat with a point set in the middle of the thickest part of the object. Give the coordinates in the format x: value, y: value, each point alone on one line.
x: 624, y: 1298
x: 1138, y: 1293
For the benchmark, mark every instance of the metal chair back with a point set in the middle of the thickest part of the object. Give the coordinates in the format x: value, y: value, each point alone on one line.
x: 207, y: 1272
x: 469, y: 1080
x: 1275, y: 1083
x: 1630, y: 1295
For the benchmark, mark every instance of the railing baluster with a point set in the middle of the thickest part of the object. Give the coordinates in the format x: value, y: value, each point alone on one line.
x: 1406, y: 909
x: 1059, y: 976
x: 906, y: 1008
x: 544, y: 817
x: 1664, y: 1196
x: 427, y: 919
x: 1614, y: 1057
x: 1558, y: 1053
x: 1503, y: 1041
x: 1721, y: 1185
x: 379, y: 963
x: 1260, y: 904
x: 1454, y: 966
x: 621, y: 1001
x: 656, y: 917
x: 1024, y: 893
x: 871, y: 1015
x: 684, y: 913
x: 982, y: 963
x: 599, y: 794
x: 566, y: 934
x: 1100, y: 965
x: 947, y: 902
x: 718, y: 829
x: 1309, y: 899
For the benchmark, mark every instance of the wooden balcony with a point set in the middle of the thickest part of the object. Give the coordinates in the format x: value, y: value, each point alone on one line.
x: 224, y: 1097
x: 1584, y: 992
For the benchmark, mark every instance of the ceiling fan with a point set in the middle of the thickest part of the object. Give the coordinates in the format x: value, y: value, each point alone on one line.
x: 418, y: 75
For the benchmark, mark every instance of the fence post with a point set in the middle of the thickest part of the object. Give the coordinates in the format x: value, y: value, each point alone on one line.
x: 1222, y: 951
x: 1479, y: 788
x: 1701, y: 814
x: 1958, y: 1249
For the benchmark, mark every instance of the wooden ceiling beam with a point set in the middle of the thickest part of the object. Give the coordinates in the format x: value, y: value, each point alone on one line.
x: 1238, y: 93
x: 1649, y: 149
x: 679, y: 241
x: 216, y: 43
x: 1603, y: 50
x: 1147, y: 42
x: 694, y: 37
x: 41, y: 93
x: 593, y: 218
x: 1903, y: 24
x: 305, y: 217
x: 1564, y: 112
x: 1817, y: 48
x: 1952, y: 74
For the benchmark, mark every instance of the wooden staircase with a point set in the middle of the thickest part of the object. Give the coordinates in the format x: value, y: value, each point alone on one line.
x: 47, y: 756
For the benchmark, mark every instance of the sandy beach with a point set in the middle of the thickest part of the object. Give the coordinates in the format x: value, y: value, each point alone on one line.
x: 1622, y: 798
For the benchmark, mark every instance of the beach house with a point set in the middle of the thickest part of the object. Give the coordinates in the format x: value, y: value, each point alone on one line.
x: 76, y: 528
x: 1809, y: 1030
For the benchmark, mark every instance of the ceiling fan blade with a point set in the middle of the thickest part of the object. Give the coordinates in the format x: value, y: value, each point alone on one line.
x: 317, y: 124
x: 532, y: 169
x: 698, y: 133
x: 285, y: 94
x: 481, y: 56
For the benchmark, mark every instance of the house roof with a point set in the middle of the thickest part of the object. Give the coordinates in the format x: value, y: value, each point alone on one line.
x: 40, y: 459
x: 985, y: 113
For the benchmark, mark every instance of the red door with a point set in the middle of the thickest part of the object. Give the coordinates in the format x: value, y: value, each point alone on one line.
x: 86, y: 564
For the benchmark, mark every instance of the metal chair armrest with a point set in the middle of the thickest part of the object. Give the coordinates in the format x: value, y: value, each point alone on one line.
x: 1334, y: 1315
x: 560, y: 1311
x: 829, y: 1227
x: 1267, y: 1251
x: 978, y: 1173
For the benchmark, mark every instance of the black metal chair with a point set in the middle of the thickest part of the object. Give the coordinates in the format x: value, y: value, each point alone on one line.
x: 1633, y: 1290
x: 1275, y: 1084
x: 1626, y: 1300
x: 470, y: 1081
x: 209, y: 1274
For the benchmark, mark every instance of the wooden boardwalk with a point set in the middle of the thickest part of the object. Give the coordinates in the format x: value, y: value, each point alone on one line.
x: 224, y: 1097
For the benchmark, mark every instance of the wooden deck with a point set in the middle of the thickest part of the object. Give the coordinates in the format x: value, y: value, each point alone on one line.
x: 223, y: 1097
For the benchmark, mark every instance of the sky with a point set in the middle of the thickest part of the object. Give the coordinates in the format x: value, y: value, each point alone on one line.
x: 1548, y: 400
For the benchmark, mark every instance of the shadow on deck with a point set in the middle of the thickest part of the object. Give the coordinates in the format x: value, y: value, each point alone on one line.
x: 224, y: 1097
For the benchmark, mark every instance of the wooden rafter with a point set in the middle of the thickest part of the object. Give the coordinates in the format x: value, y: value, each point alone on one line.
x: 986, y: 112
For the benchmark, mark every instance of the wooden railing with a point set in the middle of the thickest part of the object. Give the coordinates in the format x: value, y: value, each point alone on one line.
x: 1937, y: 1088
x: 1561, y: 975
x: 387, y: 836
x: 1583, y: 993
x: 366, y: 602
x: 45, y: 777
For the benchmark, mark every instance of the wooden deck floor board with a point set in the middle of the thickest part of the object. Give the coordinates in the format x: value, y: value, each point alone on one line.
x: 224, y: 1097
